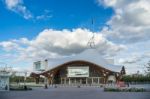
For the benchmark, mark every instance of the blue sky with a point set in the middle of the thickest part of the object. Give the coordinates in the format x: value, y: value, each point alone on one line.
x: 66, y: 14
x: 32, y: 30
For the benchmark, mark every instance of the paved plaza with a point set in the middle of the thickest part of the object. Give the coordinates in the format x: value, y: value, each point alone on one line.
x: 72, y: 93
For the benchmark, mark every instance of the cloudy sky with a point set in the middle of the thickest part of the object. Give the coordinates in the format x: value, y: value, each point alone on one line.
x: 33, y: 30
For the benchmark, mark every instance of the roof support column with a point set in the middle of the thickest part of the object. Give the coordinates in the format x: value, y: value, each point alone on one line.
x: 86, y: 81
x: 65, y: 81
x: 69, y: 81
x: 98, y: 80
x: 75, y: 81
x: 61, y: 80
x: 52, y: 81
x: 80, y: 81
x: 92, y: 80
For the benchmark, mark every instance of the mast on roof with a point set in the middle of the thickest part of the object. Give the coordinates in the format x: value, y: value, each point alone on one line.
x: 91, y: 42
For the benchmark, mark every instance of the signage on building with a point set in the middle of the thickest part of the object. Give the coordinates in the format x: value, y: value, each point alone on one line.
x: 77, y: 71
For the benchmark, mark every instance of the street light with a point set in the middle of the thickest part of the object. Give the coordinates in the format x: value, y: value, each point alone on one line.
x: 25, y: 77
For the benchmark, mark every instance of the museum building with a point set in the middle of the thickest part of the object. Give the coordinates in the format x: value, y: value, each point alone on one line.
x: 87, y: 67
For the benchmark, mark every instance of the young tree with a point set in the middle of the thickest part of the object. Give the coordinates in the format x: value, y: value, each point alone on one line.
x: 148, y: 68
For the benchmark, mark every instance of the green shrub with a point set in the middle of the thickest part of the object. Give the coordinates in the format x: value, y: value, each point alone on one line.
x: 124, y: 90
x: 19, y: 88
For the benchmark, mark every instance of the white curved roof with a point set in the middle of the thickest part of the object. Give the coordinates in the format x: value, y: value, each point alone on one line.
x: 90, y: 55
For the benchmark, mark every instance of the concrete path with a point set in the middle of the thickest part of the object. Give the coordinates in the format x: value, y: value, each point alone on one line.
x: 72, y: 93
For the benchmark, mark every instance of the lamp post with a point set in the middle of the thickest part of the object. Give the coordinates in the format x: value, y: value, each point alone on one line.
x: 25, y: 87
x: 25, y: 77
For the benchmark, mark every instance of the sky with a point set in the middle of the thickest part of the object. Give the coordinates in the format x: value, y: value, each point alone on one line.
x: 32, y: 30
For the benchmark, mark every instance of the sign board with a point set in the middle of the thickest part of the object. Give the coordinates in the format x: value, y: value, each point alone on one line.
x: 39, y: 65
x: 78, y: 71
x: 4, y: 82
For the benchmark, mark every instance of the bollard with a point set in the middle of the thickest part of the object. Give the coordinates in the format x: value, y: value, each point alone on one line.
x: 78, y: 86
x: 46, y: 86
x: 25, y: 87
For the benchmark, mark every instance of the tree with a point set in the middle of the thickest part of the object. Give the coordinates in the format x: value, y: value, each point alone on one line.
x: 148, y: 68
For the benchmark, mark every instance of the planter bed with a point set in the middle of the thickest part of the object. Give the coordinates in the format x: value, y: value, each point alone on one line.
x: 125, y: 90
x: 20, y: 88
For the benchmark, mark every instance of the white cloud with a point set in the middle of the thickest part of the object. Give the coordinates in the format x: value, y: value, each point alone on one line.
x: 8, y: 45
x: 54, y: 43
x: 17, y: 6
x: 134, y: 57
x: 46, y: 15
x: 41, y: 17
x: 107, y: 2
x: 130, y: 60
x: 22, y: 70
x: 130, y: 22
